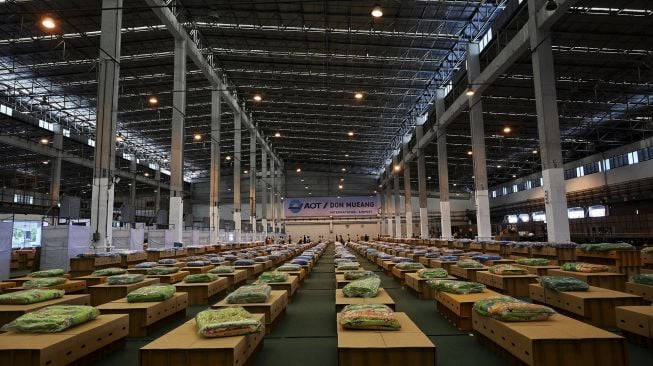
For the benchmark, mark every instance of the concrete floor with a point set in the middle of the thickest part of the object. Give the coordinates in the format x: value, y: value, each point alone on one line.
x: 307, y: 333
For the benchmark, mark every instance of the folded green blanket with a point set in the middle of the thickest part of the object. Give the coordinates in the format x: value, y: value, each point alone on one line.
x: 201, y: 277
x: 508, y: 309
x: 357, y: 275
x: 272, y: 277
x: 433, y: 273
x: 369, y: 316
x: 533, y: 261
x: 44, y: 282
x: 57, y: 272
x: 647, y: 250
x: 409, y: 266
x: 560, y: 283
x: 222, y: 269
x: 161, y: 271
x: 584, y: 267
x: 455, y: 287
x: 30, y: 296
x: 125, y: 279
x: 250, y: 294
x: 605, y: 247
x: 52, y: 319
x: 109, y: 272
x: 152, y: 293
x: 469, y: 263
x: 348, y: 266
x: 644, y: 279
x: 366, y: 287
x: 507, y: 270
x: 289, y: 268
x: 226, y: 322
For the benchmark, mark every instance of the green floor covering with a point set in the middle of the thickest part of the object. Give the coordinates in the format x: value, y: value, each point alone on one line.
x: 307, y: 333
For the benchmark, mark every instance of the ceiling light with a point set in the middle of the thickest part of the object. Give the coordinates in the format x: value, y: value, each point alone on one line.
x: 507, y: 129
x: 469, y: 92
x: 377, y: 12
x: 343, y: 169
x: 551, y: 5
x: 397, y: 168
x: 197, y: 137
x: 499, y: 166
x: 534, y: 151
x: 374, y: 191
x: 302, y: 180
x: 358, y: 95
x: 342, y: 179
x: 428, y: 177
x: 277, y: 134
x: 228, y: 157
x: 339, y: 186
x: 257, y: 97
x: 306, y: 187
x: 229, y: 189
x: 44, y: 141
x: 455, y: 184
x: 469, y: 152
x: 299, y: 170
x: 46, y: 162
x: 514, y: 176
x: 310, y: 193
x: 346, y: 155
x: 146, y: 174
x: 48, y: 23
x: 246, y: 171
x: 153, y: 100
x: 350, y: 133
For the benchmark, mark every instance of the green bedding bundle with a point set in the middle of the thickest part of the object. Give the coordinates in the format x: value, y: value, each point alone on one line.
x: 509, y: 309
x: 605, y: 247
x: 30, y: 296
x: 409, y: 266
x: 455, y: 286
x: 369, y: 317
x: 44, y: 282
x: 52, y: 319
x: 250, y: 294
x: 647, y: 250
x: 273, y: 277
x: 152, y: 293
x: 125, y: 279
x: 433, y: 273
x: 201, y: 278
x: 533, y: 261
x: 469, y: 263
x: 348, y: 266
x: 226, y: 322
x: 109, y: 272
x: 57, y: 272
x: 366, y: 287
x: 507, y: 270
x: 222, y: 269
x: 289, y: 268
x: 162, y: 271
x: 560, y: 283
x: 357, y: 275
x: 584, y: 267
x: 644, y: 279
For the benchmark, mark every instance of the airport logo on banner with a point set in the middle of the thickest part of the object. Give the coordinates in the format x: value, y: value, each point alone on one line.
x: 331, y: 206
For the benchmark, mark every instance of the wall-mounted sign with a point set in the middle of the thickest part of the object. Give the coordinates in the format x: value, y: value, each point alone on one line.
x: 331, y: 206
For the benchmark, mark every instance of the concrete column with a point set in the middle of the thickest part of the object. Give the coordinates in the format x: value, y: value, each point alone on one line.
x: 273, y: 193
x: 264, y: 189
x: 252, y: 179
x: 107, y: 115
x: 176, y: 215
x: 443, y: 169
x: 548, y: 126
x: 133, y: 169
x: 237, y: 172
x: 281, y: 197
x: 389, y: 206
x: 478, y: 146
x: 214, y: 167
x: 421, y: 183
x: 157, y: 196
x: 55, y: 182
x: 408, y: 195
x: 381, y: 196
x: 397, y: 199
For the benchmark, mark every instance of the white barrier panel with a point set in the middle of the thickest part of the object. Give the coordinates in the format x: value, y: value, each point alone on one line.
x: 6, y: 233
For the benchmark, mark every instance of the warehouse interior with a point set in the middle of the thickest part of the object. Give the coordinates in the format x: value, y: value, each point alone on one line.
x: 330, y: 128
